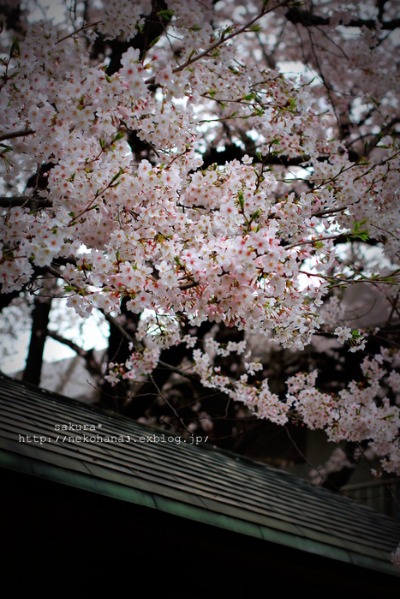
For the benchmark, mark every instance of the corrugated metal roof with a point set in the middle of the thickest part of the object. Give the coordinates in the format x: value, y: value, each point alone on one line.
x: 59, y: 439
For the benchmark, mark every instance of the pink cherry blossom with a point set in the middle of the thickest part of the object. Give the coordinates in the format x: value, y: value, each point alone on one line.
x: 137, y: 207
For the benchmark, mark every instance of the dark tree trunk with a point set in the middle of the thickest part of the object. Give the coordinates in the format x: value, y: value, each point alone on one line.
x: 118, y: 351
x: 338, y: 478
x: 40, y: 323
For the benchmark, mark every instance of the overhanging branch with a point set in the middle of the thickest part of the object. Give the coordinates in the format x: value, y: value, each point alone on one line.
x: 14, y: 134
x: 92, y: 364
x: 307, y: 19
x: 25, y: 201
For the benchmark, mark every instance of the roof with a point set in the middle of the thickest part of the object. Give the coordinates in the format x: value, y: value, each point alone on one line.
x: 52, y: 437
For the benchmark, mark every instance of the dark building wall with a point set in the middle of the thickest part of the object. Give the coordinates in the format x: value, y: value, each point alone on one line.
x: 60, y: 539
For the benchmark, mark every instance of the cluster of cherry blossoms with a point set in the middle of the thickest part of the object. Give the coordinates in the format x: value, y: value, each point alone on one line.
x: 360, y: 412
x: 240, y: 242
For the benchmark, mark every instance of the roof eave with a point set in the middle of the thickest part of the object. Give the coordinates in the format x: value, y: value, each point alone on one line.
x: 121, y: 492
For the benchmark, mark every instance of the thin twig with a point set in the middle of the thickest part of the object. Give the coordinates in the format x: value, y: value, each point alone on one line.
x: 78, y: 31
x: 222, y: 39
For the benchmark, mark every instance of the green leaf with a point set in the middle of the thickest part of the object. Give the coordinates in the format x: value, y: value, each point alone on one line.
x: 15, y: 49
x: 154, y: 41
x: 116, y: 176
x: 166, y: 14
x: 119, y: 135
x: 255, y: 215
x: 358, y: 232
x: 249, y: 97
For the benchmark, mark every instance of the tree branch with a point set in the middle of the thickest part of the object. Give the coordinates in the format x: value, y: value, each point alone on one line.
x: 224, y: 37
x: 25, y: 201
x: 308, y: 19
x: 233, y: 152
x: 386, y: 129
x: 15, y: 134
x: 92, y: 364
x: 153, y: 27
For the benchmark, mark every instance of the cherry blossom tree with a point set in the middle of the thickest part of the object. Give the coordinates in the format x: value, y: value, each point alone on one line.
x: 220, y: 181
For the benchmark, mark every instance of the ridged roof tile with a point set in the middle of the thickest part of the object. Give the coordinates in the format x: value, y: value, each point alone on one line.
x: 116, y: 456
